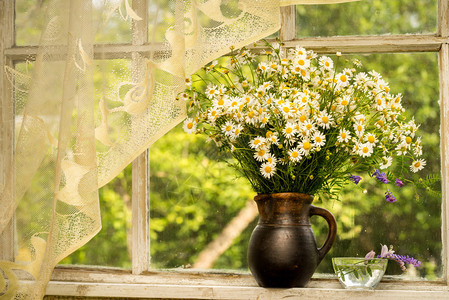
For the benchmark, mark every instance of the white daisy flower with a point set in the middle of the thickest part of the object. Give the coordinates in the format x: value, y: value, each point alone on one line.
x: 305, y: 147
x: 417, y: 165
x: 324, y: 120
x: 308, y: 127
x: 266, y: 86
x: 286, y: 110
x: 289, y: 130
x: 211, y: 91
x: 298, y: 51
x: 342, y: 79
x: 272, y: 160
x: 189, y: 125
x: 380, y: 104
x: 359, y: 129
x: 261, y: 154
x: 361, y: 78
x: 188, y: 81
x: 221, y: 103
x: 228, y: 128
x: 272, y: 138
x: 263, y: 67
x: 319, y: 139
x: 344, y: 136
x: 365, y: 150
x: 222, y: 89
x: 251, y: 117
x: 236, y: 131
x: 234, y: 103
x: 213, y: 115
x: 401, y: 149
x: 344, y: 101
x: 257, y: 142
x: 267, y: 170
x: 294, y: 155
x: 302, y: 61
x: 386, y: 162
x: 376, y: 76
x: 371, y: 138
x: 326, y: 62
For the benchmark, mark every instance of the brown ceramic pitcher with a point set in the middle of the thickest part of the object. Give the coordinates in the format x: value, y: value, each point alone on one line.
x: 282, y: 250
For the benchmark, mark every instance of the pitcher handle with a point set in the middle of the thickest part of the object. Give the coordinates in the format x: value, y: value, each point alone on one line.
x: 332, y: 234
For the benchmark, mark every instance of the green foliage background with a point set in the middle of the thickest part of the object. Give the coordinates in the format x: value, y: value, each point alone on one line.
x: 193, y: 195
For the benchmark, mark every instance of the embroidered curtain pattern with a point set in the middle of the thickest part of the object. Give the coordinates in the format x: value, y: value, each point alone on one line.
x: 81, y: 138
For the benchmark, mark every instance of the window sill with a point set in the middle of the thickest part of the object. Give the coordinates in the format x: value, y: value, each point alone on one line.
x: 90, y: 282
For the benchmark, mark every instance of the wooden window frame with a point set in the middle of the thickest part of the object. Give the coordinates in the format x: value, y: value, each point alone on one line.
x: 140, y: 281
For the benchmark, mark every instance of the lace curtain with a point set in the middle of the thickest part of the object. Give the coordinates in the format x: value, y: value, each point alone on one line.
x: 72, y: 139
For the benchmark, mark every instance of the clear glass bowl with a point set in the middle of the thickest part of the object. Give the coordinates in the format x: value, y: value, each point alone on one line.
x: 358, y: 273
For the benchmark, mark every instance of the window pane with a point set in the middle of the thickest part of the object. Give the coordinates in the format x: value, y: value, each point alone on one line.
x: 109, y: 24
x: 30, y: 17
x: 194, y: 197
x: 367, y: 17
x: 413, y: 223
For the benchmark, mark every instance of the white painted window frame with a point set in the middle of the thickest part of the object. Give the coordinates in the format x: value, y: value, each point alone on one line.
x: 140, y: 281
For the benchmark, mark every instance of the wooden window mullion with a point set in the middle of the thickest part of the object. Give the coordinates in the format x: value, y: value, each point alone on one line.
x: 140, y: 166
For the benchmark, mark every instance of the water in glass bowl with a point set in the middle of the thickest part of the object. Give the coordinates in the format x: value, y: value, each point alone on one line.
x: 358, y: 273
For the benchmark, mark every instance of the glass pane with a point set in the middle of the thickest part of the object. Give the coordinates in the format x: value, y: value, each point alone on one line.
x: 412, y: 224
x: 367, y: 17
x: 109, y: 18
x: 112, y: 245
x: 30, y: 17
x: 194, y: 196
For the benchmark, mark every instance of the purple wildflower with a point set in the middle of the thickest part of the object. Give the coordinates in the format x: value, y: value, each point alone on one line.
x: 355, y: 178
x: 389, y: 197
x: 370, y: 255
x: 399, y: 182
x: 400, y: 259
x: 382, y: 177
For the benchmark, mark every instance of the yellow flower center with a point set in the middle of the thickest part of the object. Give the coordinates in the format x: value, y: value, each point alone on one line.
x: 212, y: 91
x: 417, y: 164
x: 318, y: 139
x: 302, y: 118
x: 289, y: 130
x: 228, y: 128
x: 325, y: 119
x: 190, y: 125
x: 261, y: 152
x: 344, y: 102
x: 303, y: 72
x: 269, y: 134
x: 251, y: 114
x: 327, y: 64
x: 359, y: 128
x: 379, y: 101
x: 295, y: 154
x: 408, y: 140
x: 343, y: 78
x: 301, y: 62
x: 267, y: 169
x: 220, y: 102
x: 286, y: 109
x: 380, y: 123
x: 306, y: 145
x: 365, y: 150
x: 343, y: 135
x: 371, y: 139
x: 309, y: 126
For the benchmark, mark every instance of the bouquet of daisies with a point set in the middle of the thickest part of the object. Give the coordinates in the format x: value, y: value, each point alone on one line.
x: 294, y: 123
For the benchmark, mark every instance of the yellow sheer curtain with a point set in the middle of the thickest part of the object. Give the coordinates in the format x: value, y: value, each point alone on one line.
x: 71, y: 139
